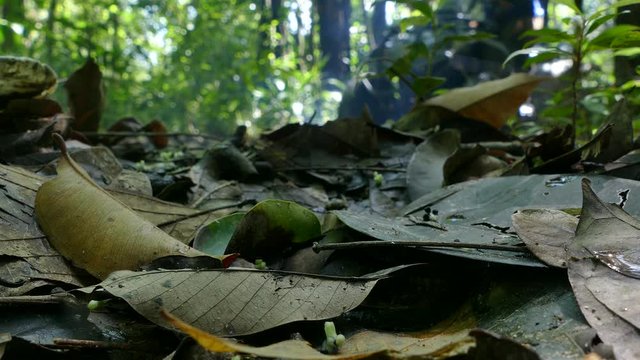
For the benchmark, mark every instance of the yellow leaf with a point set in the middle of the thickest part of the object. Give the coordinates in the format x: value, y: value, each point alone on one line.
x: 92, y: 229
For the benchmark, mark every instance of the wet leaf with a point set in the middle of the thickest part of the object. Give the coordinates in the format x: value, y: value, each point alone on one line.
x: 494, y: 200
x: 546, y: 232
x: 400, y: 229
x: 425, y: 169
x: 237, y: 301
x: 92, y: 229
x: 272, y: 226
x: 214, y: 237
x: 491, y: 102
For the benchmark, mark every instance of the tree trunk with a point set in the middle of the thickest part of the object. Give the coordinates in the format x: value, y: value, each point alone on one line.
x: 378, y: 23
x: 334, y: 37
x: 625, y: 67
x: 13, y: 12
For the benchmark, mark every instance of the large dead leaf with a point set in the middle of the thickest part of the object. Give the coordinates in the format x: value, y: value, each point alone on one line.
x: 491, y: 102
x: 546, y: 232
x: 599, y: 289
x: 86, y: 96
x: 237, y: 301
x: 27, y: 261
x: 394, y: 231
x: 425, y: 169
x: 92, y: 229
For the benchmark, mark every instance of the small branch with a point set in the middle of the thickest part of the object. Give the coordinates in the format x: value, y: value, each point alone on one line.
x: 88, y: 344
x: 136, y: 133
x: 207, y: 211
x: 334, y: 168
x: 37, y: 299
x: 406, y: 243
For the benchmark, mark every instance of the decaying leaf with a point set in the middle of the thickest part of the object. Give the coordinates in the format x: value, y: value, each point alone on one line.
x: 491, y: 102
x: 425, y: 169
x: 237, y: 301
x: 86, y: 96
x: 289, y: 349
x: 546, y: 232
x: 605, y: 228
x: 92, y: 229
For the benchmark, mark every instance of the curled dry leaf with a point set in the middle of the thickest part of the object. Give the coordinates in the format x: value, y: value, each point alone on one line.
x: 289, y: 349
x: 92, y: 229
x: 491, y: 102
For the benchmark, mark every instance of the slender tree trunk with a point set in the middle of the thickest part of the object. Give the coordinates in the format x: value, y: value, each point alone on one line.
x: 625, y: 67
x: 334, y: 21
x: 378, y: 23
x: 51, y: 28
x: 13, y: 12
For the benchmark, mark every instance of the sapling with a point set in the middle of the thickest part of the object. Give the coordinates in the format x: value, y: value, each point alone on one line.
x: 584, y: 37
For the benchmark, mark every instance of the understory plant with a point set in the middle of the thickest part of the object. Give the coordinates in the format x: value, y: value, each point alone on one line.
x: 583, y: 42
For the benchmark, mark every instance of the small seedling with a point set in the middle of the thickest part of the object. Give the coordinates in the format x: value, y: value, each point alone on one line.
x: 333, y: 340
x: 378, y: 178
x: 260, y: 264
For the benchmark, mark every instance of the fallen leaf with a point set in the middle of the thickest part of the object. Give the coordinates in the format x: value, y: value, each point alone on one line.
x: 425, y: 169
x: 492, y: 102
x: 605, y: 227
x: 215, y: 236
x: 289, y: 349
x: 86, y: 96
x: 272, y: 226
x: 546, y: 232
x: 237, y: 301
x: 92, y: 229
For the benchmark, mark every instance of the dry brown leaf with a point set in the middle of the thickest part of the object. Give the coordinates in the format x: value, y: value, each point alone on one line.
x: 86, y: 96
x: 491, y: 102
x: 92, y: 229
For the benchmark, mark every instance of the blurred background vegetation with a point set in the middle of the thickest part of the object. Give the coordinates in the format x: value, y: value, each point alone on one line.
x: 212, y: 65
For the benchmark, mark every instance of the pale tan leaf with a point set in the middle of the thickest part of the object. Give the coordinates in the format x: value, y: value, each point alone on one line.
x: 237, y: 301
x: 491, y: 102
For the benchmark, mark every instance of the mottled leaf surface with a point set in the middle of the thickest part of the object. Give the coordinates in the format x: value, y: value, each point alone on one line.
x: 237, y: 302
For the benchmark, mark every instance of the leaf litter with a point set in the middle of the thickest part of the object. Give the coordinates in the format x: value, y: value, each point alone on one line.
x: 505, y: 292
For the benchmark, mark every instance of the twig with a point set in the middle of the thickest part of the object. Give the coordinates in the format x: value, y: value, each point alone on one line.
x: 89, y: 344
x: 318, y: 168
x: 141, y: 133
x: 204, y: 212
x: 407, y: 243
x: 37, y: 299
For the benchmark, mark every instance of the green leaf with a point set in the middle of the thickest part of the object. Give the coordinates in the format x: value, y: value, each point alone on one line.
x: 597, y: 22
x: 213, y: 238
x: 413, y: 21
x: 271, y: 227
x: 535, y: 52
x: 546, y: 36
x: 571, y: 4
x: 422, y: 86
x: 621, y: 3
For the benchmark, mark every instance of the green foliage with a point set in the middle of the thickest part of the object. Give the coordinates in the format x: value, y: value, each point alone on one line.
x: 441, y: 37
x: 589, y: 43
x: 207, y: 65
